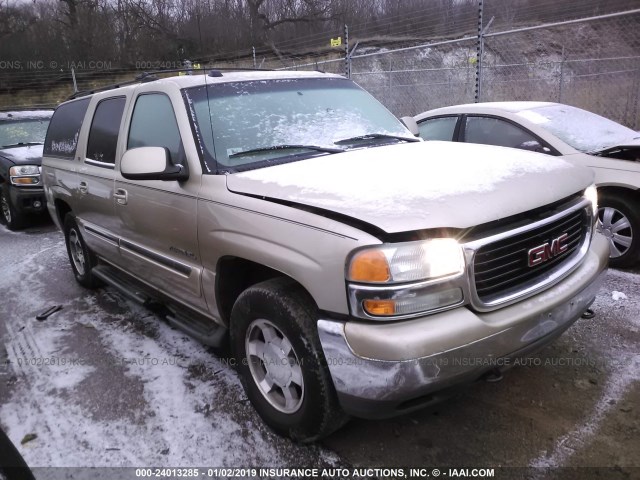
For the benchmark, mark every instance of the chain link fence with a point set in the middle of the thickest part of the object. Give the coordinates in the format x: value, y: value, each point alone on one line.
x: 592, y: 63
x: 491, y: 51
x: 415, y: 79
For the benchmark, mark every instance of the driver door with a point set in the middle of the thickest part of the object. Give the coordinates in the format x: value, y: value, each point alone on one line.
x: 157, y: 222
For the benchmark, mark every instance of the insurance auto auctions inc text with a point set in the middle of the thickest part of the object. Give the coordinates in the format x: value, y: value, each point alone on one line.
x: 375, y: 472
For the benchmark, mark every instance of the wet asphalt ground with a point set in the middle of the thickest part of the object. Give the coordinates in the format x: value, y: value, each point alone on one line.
x: 104, y: 382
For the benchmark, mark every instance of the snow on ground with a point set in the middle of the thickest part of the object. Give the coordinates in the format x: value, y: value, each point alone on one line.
x: 623, y: 359
x: 618, y: 296
x: 617, y: 387
x: 104, y: 382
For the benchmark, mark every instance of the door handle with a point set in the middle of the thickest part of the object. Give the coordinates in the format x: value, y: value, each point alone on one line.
x: 121, y: 196
x: 83, y: 187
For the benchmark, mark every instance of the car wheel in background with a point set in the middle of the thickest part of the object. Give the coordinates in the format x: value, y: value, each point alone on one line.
x: 280, y: 360
x: 8, y: 214
x: 619, y: 222
x: 81, y: 258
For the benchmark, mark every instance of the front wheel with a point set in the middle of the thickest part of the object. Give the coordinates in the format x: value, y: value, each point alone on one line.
x: 275, y: 342
x: 81, y: 258
x: 619, y: 222
x: 10, y: 216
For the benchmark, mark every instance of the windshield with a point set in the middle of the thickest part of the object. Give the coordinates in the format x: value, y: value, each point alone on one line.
x: 23, y: 131
x: 584, y: 131
x: 244, y: 125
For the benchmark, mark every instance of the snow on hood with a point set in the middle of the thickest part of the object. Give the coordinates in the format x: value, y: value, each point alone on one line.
x: 420, y: 185
x: 27, y: 155
x: 26, y: 115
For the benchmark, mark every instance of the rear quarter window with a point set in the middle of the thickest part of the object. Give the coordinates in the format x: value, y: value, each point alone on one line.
x: 62, y: 135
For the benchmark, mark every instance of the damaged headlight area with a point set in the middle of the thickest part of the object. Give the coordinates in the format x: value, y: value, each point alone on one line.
x: 591, y: 194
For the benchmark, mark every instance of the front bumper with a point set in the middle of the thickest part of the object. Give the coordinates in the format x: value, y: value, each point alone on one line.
x: 384, y: 369
x: 28, y: 200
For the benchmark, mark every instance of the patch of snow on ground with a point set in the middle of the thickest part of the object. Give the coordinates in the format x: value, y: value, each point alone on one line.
x: 618, y: 296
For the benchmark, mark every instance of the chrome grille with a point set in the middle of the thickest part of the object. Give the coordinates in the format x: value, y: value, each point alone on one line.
x: 501, y: 267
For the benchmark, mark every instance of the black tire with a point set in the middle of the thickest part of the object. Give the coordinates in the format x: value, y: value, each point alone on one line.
x: 82, y: 259
x: 8, y: 213
x: 12, y: 465
x: 285, y: 305
x: 624, y: 242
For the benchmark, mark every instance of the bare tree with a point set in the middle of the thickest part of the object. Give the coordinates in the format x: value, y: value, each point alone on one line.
x: 15, y: 19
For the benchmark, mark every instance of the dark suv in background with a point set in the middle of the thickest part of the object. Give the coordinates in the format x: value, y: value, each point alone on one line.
x: 21, y: 138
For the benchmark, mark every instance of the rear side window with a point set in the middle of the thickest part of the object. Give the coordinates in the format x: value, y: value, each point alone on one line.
x: 438, y: 128
x: 103, y: 135
x: 62, y: 135
x: 154, y: 124
x: 492, y: 131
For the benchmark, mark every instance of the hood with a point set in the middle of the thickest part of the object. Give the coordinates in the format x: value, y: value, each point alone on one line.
x: 25, y: 115
x: 27, y: 155
x: 422, y: 185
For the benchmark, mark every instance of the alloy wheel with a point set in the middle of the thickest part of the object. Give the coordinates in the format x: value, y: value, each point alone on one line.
x: 77, y: 252
x: 274, y: 366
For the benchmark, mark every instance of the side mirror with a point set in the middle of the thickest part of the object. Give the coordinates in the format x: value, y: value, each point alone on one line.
x: 534, y: 146
x: 411, y: 124
x: 150, y: 163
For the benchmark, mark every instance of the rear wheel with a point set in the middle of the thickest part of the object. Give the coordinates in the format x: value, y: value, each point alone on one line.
x: 81, y: 258
x: 280, y: 360
x: 10, y: 216
x: 619, y: 222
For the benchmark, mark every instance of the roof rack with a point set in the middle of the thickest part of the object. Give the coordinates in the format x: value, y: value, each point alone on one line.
x: 151, y: 77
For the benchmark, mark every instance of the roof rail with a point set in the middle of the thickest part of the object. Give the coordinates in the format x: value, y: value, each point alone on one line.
x: 151, y: 76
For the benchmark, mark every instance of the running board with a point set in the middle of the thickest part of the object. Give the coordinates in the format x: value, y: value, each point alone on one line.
x: 130, y: 290
x: 197, y: 326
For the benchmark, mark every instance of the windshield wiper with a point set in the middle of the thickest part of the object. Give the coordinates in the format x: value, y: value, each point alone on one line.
x: 599, y: 151
x: 375, y: 136
x: 22, y: 144
x: 286, y: 147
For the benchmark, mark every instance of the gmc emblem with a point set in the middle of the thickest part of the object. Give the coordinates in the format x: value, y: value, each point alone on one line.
x: 547, y: 251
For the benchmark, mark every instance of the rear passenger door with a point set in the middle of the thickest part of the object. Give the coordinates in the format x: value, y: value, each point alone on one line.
x: 157, y: 222
x: 95, y: 210
x: 495, y: 131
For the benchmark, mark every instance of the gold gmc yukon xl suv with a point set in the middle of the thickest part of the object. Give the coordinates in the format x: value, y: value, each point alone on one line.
x: 352, y: 268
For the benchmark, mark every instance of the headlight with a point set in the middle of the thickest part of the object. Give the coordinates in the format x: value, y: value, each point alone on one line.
x: 407, y: 262
x: 405, y: 280
x: 25, y: 175
x: 591, y: 194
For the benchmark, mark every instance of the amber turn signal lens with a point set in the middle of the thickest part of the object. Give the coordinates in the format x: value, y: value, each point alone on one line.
x: 369, y: 266
x: 379, y: 307
x: 25, y: 180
